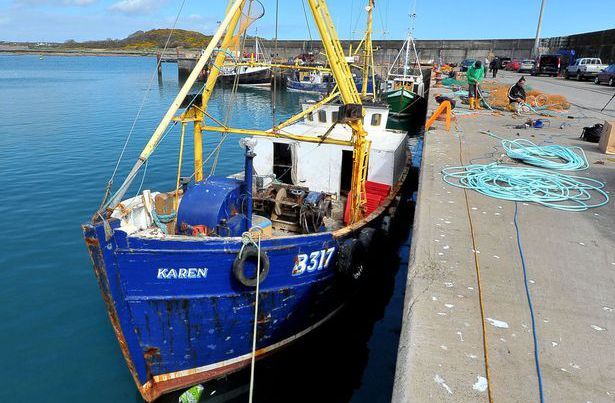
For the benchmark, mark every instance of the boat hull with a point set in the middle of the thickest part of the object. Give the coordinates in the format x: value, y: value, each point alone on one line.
x: 252, y: 76
x: 321, y: 88
x: 182, y: 318
x: 307, y: 86
x: 401, y: 102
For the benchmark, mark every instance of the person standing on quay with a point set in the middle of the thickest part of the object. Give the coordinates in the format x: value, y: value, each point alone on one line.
x: 475, y: 76
x: 494, y: 66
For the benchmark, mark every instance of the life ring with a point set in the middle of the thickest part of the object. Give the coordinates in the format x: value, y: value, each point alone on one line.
x: 351, y: 259
x: 250, y: 252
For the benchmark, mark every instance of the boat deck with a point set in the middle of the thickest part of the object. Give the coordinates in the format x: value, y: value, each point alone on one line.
x: 570, y: 260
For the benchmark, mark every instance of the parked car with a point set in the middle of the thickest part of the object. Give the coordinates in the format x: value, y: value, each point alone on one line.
x: 512, y: 65
x: 547, y: 64
x: 465, y: 65
x: 606, y: 76
x: 526, y: 66
x: 585, y: 67
x: 504, y: 62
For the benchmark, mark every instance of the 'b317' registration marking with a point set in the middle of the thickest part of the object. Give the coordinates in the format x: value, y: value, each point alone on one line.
x: 317, y: 260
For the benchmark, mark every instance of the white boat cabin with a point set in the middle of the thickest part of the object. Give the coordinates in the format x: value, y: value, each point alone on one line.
x: 328, y: 167
x: 294, y: 179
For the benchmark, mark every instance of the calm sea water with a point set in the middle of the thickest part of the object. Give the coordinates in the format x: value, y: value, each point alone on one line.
x: 63, y: 121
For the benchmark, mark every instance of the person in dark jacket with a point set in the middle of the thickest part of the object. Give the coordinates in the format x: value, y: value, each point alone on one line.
x: 516, y: 95
x: 494, y: 66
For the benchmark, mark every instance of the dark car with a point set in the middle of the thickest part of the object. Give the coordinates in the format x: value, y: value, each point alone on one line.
x: 504, y: 62
x: 547, y: 64
x: 606, y: 76
x: 466, y: 64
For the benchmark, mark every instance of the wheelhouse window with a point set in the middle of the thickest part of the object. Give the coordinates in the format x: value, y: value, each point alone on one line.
x: 334, y: 117
x: 376, y: 119
x: 322, y: 116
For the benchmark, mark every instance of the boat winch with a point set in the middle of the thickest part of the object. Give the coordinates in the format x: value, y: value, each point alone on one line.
x: 212, y: 207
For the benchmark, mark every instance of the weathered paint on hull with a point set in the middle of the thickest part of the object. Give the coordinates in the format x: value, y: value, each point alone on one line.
x: 178, y: 332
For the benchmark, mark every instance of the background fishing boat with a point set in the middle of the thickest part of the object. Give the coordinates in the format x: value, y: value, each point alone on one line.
x: 247, y: 68
x: 202, y: 279
x: 405, y: 90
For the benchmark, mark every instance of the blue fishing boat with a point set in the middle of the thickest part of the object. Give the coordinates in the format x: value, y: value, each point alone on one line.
x: 321, y: 82
x: 202, y: 279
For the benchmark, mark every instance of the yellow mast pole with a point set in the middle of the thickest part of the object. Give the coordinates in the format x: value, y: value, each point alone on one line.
x: 367, y: 49
x: 164, y: 123
x: 207, y: 91
x: 349, y: 95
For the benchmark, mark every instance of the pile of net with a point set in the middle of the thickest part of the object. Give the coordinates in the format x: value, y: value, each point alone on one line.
x: 497, y: 96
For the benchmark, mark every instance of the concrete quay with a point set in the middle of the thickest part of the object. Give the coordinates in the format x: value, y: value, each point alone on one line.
x: 570, y: 262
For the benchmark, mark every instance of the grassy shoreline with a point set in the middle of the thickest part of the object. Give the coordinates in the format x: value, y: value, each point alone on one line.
x: 170, y: 53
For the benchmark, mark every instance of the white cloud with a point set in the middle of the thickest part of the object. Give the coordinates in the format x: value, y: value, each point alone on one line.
x: 135, y: 6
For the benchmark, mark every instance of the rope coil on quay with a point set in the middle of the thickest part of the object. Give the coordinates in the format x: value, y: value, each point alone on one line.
x: 549, y: 156
x: 550, y: 189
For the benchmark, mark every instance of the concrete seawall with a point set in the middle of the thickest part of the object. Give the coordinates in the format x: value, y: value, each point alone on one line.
x: 570, y: 262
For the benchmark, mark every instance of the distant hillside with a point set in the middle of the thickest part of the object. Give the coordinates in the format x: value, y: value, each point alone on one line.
x: 156, y: 38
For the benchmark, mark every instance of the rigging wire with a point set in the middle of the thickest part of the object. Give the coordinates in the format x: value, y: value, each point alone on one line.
x: 275, y: 81
x: 231, y: 104
x: 307, y: 22
x: 145, y: 96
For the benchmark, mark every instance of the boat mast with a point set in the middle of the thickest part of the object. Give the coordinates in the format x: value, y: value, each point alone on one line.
x: 233, y: 12
x: 353, y: 109
x: 368, y: 50
x: 256, y: 45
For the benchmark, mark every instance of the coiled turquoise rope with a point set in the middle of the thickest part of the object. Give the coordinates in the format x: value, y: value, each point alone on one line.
x: 550, y: 156
x: 550, y: 189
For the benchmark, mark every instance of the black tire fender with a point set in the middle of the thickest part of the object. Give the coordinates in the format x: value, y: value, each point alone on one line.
x: 351, y: 259
x: 250, y: 252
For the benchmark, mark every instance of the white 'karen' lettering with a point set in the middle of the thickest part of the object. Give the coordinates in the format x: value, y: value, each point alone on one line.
x: 182, y: 273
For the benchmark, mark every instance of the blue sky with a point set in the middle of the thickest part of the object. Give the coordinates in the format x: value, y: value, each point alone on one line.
x: 59, y: 20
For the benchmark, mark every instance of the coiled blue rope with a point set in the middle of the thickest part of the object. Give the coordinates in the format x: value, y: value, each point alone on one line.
x: 550, y: 189
x: 549, y: 156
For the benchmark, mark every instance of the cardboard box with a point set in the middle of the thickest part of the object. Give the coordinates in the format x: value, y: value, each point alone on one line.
x: 607, y: 139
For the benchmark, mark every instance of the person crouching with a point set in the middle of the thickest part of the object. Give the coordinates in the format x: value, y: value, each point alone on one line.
x: 516, y: 95
x: 475, y: 76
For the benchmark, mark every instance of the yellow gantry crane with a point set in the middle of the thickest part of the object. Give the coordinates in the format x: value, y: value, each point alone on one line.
x: 346, y: 90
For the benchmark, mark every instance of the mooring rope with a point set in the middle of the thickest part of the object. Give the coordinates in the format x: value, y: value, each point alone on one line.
x: 530, y: 305
x: 249, y: 236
